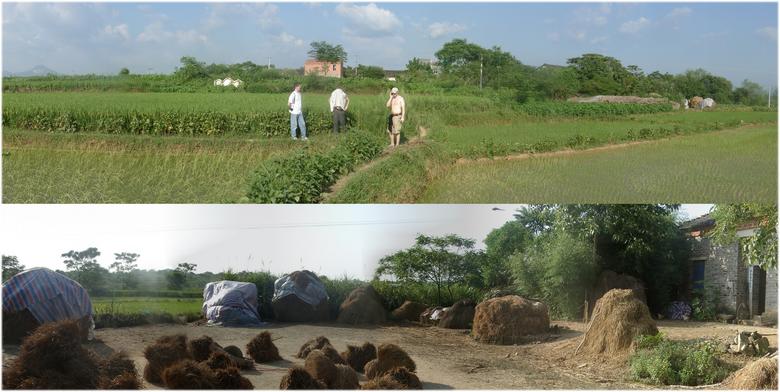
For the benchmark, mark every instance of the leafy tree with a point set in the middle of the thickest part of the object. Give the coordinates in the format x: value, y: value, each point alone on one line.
x: 702, y: 83
x: 557, y: 82
x: 501, y: 244
x: 84, y: 268
x: 176, y: 279
x: 599, y: 74
x: 750, y: 93
x: 558, y: 269
x: 191, y: 69
x: 186, y: 268
x: 457, y: 54
x: 124, y: 71
x: 759, y: 249
x: 418, y: 66
x: 11, y: 267
x: 635, y: 239
x: 442, y: 261
x: 124, y: 265
x: 370, y: 71
x: 324, y: 51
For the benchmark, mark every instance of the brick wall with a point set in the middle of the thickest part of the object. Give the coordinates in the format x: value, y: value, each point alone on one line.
x: 771, y: 290
x: 722, y: 270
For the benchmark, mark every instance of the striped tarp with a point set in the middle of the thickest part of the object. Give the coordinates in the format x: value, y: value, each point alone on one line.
x: 48, y: 295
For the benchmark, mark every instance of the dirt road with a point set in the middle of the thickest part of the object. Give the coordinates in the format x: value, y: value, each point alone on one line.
x: 446, y: 359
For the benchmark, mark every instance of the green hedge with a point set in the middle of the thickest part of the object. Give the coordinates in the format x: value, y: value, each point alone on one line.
x: 155, y: 293
x: 301, y: 177
x: 119, y: 121
x: 574, y: 109
x: 668, y: 362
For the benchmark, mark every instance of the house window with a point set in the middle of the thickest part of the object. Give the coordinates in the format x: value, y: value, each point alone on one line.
x: 334, y: 67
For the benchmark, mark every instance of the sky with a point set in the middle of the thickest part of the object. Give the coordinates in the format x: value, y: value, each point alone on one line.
x: 735, y: 40
x: 333, y: 240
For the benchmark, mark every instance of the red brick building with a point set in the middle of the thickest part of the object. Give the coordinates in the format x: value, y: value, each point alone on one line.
x: 333, y: 70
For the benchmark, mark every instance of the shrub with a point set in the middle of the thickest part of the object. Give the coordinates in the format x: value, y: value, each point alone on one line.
x: 704, y: 304
x: 573, y: 109
x: 302, y: 177
x: 668, y: 362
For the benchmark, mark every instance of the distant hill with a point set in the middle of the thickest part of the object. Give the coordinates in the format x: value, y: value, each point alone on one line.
x: 38, y: 70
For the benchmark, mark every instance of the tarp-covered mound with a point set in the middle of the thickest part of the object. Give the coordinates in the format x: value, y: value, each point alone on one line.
x: 40, y: 295
x: 300, y: 297
x: 609, y: 280
x: 506, y: 320
x: 458, y: 316
x: 229, y: 303
x: 362, y: 306
x: 619, y: 317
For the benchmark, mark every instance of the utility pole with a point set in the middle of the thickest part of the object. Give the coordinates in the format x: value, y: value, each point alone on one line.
x: 269, y: 62
x: 480, y: 72
x: 769, y: 101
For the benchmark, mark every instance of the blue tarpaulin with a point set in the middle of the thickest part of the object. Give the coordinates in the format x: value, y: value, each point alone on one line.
x: 48, y: 295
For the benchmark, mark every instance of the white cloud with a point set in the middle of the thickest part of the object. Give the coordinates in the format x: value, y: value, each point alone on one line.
x: 634, y: 26
x: 554, y: 36
x: 768, y: 32
x: 678, y: 12
x: 369, y: 18
x: 598, y: 40
x: 155, y: 33
x: 579, y: 35
x: 118, y: 30
x: 263, y: 14
x: 438, y: 29
x: 286, y: 38
x: 594, y: 16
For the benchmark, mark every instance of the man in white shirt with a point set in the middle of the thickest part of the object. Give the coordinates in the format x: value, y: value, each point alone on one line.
x: 397, y: 116
x: 339, y: 102
x: 295, y: 105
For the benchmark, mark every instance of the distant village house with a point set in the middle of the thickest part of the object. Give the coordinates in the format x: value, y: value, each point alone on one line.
x: 323, y: 68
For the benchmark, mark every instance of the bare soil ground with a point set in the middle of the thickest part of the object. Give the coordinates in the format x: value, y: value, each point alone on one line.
x: 446, y: 359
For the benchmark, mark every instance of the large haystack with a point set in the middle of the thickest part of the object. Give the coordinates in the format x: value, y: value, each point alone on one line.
x: 409, y: 311
x: 298, y: 378
x: 300, y: 297
x: 164, y: 352
x: 695, y: 102
x: 760, y: 374
x: 383, y: 384
x: 459, y: 316
x: 314, y: 344
x: 333, y: 354
x: 262, y: 348
x: 619, y: 317
x: 609, y: 280
x: 357, y: 357
x: 431, y: 315
x: 506, y: 320
x: 231, y: 378
x: 389, y: 356
x: 52, y: 357
x: 362, y: 306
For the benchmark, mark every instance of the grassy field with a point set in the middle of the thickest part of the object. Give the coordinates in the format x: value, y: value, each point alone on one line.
x: 128, y: 305
x: 726, y: 166
x: 63, y: 159
x: 78, y: 168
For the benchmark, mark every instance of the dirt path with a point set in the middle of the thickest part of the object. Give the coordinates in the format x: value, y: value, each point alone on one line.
x: 570, y: 151
x: 422, y: 133
x: 446, y: 359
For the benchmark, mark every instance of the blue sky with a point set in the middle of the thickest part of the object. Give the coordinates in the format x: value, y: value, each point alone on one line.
x: 736, y: 40
x: 333, y: 240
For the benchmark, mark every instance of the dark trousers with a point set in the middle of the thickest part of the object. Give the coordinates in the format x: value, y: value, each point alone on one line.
x: 339, y: 120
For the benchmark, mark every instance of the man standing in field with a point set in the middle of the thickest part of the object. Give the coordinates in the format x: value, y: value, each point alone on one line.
x: 397, y: 116
x: 339, y: 103
x: 295, y: 105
